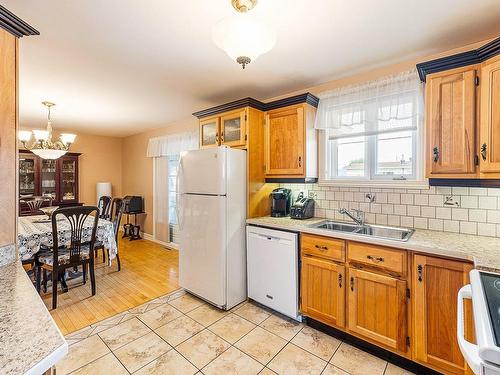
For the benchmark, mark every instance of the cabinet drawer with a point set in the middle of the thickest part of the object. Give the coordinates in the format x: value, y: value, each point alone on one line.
x: 386, y: 258
x: 324, y: 247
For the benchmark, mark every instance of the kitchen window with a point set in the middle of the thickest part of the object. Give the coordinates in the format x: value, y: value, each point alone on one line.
x: 371, y: 133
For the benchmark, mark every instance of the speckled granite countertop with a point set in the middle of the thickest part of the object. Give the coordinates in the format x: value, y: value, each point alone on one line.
x: 483, y: 251
x: 30, y: 342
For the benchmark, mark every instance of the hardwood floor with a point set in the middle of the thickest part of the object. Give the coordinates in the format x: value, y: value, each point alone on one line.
x: 148, y: 271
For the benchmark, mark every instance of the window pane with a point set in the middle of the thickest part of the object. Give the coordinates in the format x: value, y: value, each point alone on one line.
x: 395, y: 154
x: 351, y: 157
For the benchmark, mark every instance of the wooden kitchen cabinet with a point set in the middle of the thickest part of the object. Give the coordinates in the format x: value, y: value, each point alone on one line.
x: 490, y: 116
x: 291, y: 143
x: 377, y: 308
x: 209, y: 132
x: 232, y: 129
x: 450, y: 98
x: 436, y: 283
x: 323, y: 291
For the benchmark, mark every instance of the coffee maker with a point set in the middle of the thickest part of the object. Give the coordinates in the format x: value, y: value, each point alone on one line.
x: 280, y: 202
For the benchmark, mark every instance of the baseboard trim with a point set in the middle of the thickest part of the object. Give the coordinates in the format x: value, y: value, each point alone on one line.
x: 150, y: 237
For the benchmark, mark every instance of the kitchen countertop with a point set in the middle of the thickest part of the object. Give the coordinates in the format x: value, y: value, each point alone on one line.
x: 484, y: 252
x: 30, y: 341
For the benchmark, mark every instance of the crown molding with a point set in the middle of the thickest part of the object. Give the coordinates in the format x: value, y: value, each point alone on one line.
x: 459, y: 60
x: 14, y: 25
x: 254, y: 103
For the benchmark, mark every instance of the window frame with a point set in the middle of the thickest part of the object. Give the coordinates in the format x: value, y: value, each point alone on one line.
x: 416, y: 180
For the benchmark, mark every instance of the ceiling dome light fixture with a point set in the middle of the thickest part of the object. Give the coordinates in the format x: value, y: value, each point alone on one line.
x: 242, y: 36
x: 43, y: 145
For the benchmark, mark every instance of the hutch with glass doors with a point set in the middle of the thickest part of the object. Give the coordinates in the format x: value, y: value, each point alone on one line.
x: 57, y: 179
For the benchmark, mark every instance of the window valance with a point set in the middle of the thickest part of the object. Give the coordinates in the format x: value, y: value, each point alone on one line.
x: 389, y: 104
x: 172, y: 144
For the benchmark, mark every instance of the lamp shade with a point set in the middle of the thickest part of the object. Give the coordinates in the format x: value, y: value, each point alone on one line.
x: 102, y: 189
x: 243, y: 35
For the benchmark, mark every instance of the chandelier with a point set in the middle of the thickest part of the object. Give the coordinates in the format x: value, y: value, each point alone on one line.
x: 242, y: 36
x: 42, y: 145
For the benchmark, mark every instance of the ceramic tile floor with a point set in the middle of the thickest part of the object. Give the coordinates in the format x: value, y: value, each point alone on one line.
x: 180, y: 334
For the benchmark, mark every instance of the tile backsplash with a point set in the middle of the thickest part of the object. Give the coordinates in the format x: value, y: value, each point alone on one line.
x: 450, y: 209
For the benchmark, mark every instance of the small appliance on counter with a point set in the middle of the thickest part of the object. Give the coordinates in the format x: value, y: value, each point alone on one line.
x: 303, y: 208
x: 280, y: 202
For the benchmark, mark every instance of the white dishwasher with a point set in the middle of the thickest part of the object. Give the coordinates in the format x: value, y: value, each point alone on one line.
x: 272, y: 269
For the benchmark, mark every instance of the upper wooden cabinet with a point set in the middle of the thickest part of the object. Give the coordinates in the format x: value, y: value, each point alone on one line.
x: 436, y: 283
x: 291, y: 143
x: 233, y: 129
x: 451, y: 123
x: 490, y: 116
x: 209, y: 132
x: 228, y: 129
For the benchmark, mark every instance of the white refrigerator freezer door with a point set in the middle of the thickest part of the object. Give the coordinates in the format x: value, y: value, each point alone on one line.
x: 203, y: 171
x: 202, y: 254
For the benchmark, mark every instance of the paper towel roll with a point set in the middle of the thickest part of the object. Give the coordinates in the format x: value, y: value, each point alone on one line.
x: 102, y: 189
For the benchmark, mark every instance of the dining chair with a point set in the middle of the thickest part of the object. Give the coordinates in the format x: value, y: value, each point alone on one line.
x: 35, y: 203
x: 103, y: 205
x: 116, y: 213
x: 78, y: 250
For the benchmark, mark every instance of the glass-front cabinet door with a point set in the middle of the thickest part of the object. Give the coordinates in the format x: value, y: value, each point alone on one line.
x: 48, y: 177
x: 27, y: 175
x: 69, y: 180
x: 209, y: 133
x: 233, y: 131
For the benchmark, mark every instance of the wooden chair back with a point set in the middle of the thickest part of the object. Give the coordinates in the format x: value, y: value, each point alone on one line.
x: 117, y: 208
x: 35, y: 203
x: 76, y: 216
x: 104, y: 207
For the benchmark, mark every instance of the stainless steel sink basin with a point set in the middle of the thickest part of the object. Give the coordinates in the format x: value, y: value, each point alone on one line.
x: 336, y: 226
x: 378, y: 231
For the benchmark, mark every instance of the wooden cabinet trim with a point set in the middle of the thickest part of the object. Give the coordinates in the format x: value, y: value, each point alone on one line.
x: 241, y: 142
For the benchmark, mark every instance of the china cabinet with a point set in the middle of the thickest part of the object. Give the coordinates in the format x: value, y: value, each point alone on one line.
x: 57, y: 179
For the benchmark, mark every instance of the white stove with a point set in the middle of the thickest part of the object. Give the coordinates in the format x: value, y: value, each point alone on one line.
x: 484, y: 290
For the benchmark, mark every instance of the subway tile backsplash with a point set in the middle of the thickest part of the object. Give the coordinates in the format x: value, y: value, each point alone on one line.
x: 468, y: 210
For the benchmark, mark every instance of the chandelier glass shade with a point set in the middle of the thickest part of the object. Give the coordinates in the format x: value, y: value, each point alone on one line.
x: 243, y: 37
x: 42, y: 144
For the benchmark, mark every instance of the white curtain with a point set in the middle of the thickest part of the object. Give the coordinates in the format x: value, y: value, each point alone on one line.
x: 161, y: 232
x: 163, y: 150
x: 172, y: 144
x: 393, y: 103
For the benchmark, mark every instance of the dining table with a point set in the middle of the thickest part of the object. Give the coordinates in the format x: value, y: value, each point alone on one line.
x: 35, y: 231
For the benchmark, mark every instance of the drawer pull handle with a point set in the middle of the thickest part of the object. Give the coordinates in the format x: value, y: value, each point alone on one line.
x: 435, y: 154
x: 321, y: 247
x: 375, y: 259
x: 352, y: 284
x: 340, y: 280
x: 484, y: 150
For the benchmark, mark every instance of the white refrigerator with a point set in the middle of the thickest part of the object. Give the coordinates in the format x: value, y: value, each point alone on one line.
x: 212, y: 212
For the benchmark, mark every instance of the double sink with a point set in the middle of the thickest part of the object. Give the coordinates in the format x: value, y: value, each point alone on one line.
x: 376, y: 231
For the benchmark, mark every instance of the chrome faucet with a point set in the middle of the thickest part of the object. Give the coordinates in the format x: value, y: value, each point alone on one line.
x: 359, y: 219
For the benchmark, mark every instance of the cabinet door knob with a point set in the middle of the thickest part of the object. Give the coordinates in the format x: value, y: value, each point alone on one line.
x: 300, y: 161
x: 484, y: 150
x: 352, y: 284
x: 435, y: 153
x: 340, y: 280
x: 217, y: 137
x: 222, y: 136
x: 420, y: 271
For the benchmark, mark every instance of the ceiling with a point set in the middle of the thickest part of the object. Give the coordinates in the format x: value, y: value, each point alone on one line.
x: 119, y: 67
